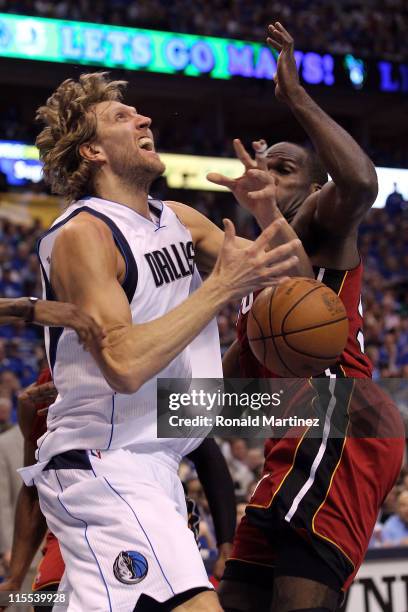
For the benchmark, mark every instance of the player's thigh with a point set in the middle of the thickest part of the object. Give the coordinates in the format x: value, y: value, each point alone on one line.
x: 239, y: 596
x: 295, y: 594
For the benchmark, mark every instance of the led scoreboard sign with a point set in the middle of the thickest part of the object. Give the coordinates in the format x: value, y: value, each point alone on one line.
x: 54, y: 40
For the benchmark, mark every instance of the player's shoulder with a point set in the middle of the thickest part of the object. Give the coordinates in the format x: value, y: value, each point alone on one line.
x: 187, y: 215
x: 180, y: 209
x: 85, y: 229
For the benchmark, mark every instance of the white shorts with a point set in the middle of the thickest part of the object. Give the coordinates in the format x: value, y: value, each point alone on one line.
x: 121, y: 521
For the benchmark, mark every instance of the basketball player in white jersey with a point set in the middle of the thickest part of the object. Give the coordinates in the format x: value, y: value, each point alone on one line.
x: 107, y: 485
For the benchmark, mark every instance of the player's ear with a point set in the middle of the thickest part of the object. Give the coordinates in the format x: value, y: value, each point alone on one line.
x: 92, y: 152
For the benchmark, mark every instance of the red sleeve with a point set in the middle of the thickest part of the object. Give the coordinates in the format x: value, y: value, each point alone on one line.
x: 39, y: 424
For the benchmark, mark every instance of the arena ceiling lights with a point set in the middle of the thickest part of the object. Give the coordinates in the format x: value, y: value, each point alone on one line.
x: 54, y: 40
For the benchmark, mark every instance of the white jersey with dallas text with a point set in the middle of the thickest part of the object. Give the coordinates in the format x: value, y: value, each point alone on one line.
x: 87, y: 413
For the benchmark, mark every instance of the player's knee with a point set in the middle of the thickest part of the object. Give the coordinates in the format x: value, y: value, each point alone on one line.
x: 243, y: 597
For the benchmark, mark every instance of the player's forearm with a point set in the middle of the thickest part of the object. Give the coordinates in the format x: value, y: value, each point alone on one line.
x: 29, y: 530
x: 134, y: 354
x: 13, y: 310
x: 348, y: 165
x: 214, y: 475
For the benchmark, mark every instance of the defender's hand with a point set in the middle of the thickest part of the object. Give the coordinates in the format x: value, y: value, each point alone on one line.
x: 256, y: 188
x: 35, y: 394
x: 286, y: 78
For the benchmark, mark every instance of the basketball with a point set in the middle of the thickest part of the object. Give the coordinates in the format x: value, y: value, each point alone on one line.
x: 298, y: 328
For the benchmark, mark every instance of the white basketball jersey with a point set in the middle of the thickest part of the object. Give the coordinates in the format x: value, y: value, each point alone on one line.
x: 88, y: 414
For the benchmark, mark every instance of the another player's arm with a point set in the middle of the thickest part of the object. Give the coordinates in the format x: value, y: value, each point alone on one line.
x: 85, y: 272
x: 341, y: 204
x: 29, y: 528
x: 53, y: 314
x: 208, y: 239
x: 213, y: 473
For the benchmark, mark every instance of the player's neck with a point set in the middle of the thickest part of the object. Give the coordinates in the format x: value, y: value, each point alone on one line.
x: 132, y: 196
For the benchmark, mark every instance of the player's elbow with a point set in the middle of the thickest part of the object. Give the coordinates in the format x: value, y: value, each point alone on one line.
x: 124, y: 380
x: 368, y: 189
x: 125, y: 385
x: 365, y: 185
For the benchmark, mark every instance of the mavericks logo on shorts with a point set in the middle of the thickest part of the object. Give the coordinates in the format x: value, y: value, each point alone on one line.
x: 130, y: 567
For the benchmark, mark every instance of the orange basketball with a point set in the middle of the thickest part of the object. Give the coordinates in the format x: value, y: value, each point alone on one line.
x: 298, y: 328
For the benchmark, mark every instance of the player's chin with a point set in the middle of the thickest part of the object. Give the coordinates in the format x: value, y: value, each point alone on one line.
x: 156, y: 164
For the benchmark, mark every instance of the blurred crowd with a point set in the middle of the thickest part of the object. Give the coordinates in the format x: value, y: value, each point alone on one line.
x: 377, y: 28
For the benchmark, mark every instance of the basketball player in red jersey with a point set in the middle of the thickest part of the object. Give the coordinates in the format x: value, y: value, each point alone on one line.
x: 308, y: 524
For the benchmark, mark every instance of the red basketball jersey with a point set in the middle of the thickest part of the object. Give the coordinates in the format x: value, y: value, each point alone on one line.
x: 39, y: 423
x: 353, y: 362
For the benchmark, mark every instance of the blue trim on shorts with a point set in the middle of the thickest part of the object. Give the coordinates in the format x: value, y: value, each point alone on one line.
x: 70, y: 460
x: 141, y: 527
x: 86, y: 538
x: 112, y: 423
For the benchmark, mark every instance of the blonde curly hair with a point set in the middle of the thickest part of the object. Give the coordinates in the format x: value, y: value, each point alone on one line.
x: 69, y: 124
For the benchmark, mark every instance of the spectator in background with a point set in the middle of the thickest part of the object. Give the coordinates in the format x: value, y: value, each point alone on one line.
x: 240, y: 472
x: 390, y: 504
x: 11, y: 458
x: 395, y: 529
x: 394, y: 204
x: 6, y: 406
x: 255, y: 461
x: 240, y: 511
x: 207, y: 539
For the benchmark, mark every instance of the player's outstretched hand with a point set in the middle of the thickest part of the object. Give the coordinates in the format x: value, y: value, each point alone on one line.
x: 255, y: 189
x: 242, y: 270
x: 287, y: 77
x: 62, y: 314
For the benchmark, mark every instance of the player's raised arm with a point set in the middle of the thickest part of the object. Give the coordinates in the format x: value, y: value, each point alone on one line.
x: 86, y: 269
x: 342, y: 203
